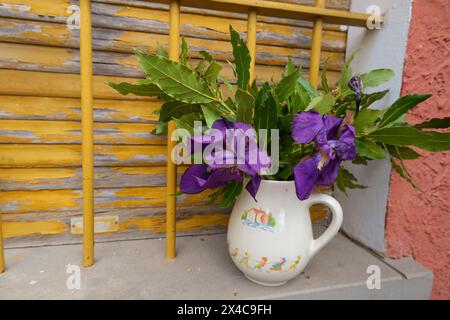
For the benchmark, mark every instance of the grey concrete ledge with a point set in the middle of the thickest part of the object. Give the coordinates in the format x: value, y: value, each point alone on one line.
x: 137, y: 270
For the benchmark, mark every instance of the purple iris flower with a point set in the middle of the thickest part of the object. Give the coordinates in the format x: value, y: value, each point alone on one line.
x: 334, y: 143
x: 238, y: 153
x: 222, y: 125
x: 200, y: 177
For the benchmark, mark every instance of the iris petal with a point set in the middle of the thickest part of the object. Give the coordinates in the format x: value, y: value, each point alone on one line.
x: 222, y: 125
x: 221, y: 177
x: 331, y: 125
x: 329, y: 172
x: 194, y: 179
x: 306, y: 176
x: 329, y: 130
x: 306, y: 125
x: 345, y: 146
x: 253, y: 185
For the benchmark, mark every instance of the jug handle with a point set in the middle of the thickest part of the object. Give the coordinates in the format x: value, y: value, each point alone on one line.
x: 335, y: 224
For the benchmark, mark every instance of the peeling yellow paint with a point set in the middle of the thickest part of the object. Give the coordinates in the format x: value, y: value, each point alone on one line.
x: 156, y: 193
x: 141, y: 170
x: 153, y: 196
x: 35, y: 176
x: 277, y: 60
x: 42, y: 200
x: 129, y: 110
x: 45, y: 107
x: 70, y: 178
x: 47, y: 33
x: 57, y: 155
x: 12, y: 155
x: 39, y: 55
x: 146, y: 170
x: 138, y: 133
x: 138, y: 196
x: 154, y: 224
x: 13, y: 107
x: 157, y: 224
x: 47, y: 84
x: 12, y: 229
x: 60, y: 200
x: 197, y: 24
x: 201, y: 221
x: 40, y: 7
x: 142, y: 13
x: 58, y: 35
x: 68, y: 85
x: 264, y: 72
x: 129, y: 61
x: 133, y: 153
x: 141, y: 192
x: 40, y: 131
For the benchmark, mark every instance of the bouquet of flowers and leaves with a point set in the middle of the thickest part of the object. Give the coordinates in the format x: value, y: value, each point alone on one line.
x: 315, y: 131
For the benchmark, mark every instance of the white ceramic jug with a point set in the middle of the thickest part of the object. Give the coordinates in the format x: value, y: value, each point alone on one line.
x: 271, y: 240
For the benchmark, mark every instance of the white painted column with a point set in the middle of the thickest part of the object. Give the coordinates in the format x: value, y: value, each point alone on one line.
x: 365, y: 210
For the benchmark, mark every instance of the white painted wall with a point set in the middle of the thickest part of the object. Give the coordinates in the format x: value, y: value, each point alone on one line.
x: 365, y: 210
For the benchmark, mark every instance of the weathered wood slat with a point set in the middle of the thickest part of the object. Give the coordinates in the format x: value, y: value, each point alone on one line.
x: 155, y: 21
x: 70, y: 178
x: 52, y: 59
x: 57, y: 156
x: 193, y: 25
x: 135, y: 223
x: 65, y: 60
x: 15, y: 202
x: 66, y: 109
x: 47, y: 84
x: 56, y: 11
x: 54, y: 34
x: 122, y: 212
x: 331, y: 4
x: 69, y: 132
x: 36, y: 228
x: 335, y: 4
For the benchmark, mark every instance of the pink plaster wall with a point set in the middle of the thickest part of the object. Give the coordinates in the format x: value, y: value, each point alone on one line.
x: 418, y: 223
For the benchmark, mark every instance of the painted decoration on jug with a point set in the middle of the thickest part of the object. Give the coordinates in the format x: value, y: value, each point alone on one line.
x: 278, y: 266
x: 263, y: 264
x: 260, y: 265
x: 258, y: 218
x: 294, y: 264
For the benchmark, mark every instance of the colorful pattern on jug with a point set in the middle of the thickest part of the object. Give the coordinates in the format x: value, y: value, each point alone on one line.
x: 263, y: 264
x: 294, y: 264
x: 278, y: 266
x: 258, y: 218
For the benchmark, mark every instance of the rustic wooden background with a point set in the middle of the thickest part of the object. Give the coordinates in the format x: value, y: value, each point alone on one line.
x: 40, y: 152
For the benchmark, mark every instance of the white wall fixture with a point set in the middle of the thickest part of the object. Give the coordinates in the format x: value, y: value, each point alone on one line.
x: 365, y: 210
